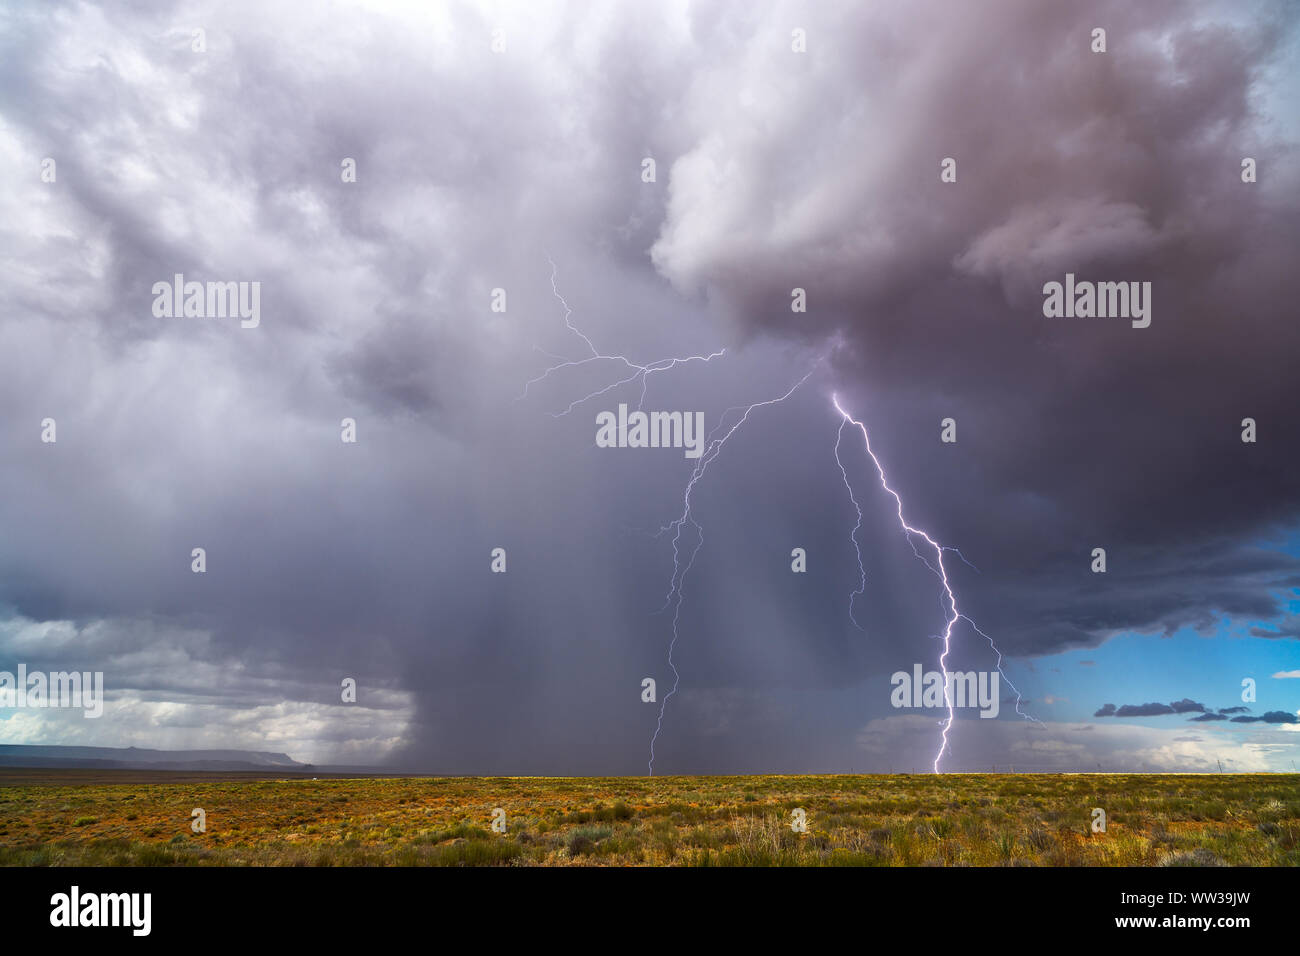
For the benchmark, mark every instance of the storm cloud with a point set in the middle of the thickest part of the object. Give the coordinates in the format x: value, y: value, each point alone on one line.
x: 521, y: 169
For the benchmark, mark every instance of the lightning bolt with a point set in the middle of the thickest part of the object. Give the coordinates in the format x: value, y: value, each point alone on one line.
x: 853, y: 535
x: 680, y: 570
x: 952, y: 614
x: 641, y: 372
x: 685, y: 552
x: 976, y: 629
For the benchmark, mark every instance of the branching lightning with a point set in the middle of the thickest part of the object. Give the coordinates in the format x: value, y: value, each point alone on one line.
x: 953, y: 615
x: 675, y: 592
x: 642, y: 372
x: 976, y: 629
x: 685, y: 552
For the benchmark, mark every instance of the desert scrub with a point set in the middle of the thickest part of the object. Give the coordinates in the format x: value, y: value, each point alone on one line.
x: 904, y: 820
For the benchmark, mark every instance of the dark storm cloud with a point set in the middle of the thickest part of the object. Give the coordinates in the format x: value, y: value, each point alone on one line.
x: 328, y: 560
x: 1208, y: 717
x: 1073, y: 433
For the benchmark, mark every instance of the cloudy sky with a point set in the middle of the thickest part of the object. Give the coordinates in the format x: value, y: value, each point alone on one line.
x: 503, y: 146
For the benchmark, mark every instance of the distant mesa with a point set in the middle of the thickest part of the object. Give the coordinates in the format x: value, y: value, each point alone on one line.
x: 135, y: 758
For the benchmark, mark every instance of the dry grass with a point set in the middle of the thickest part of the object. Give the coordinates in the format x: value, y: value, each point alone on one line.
x: 903, y: 820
